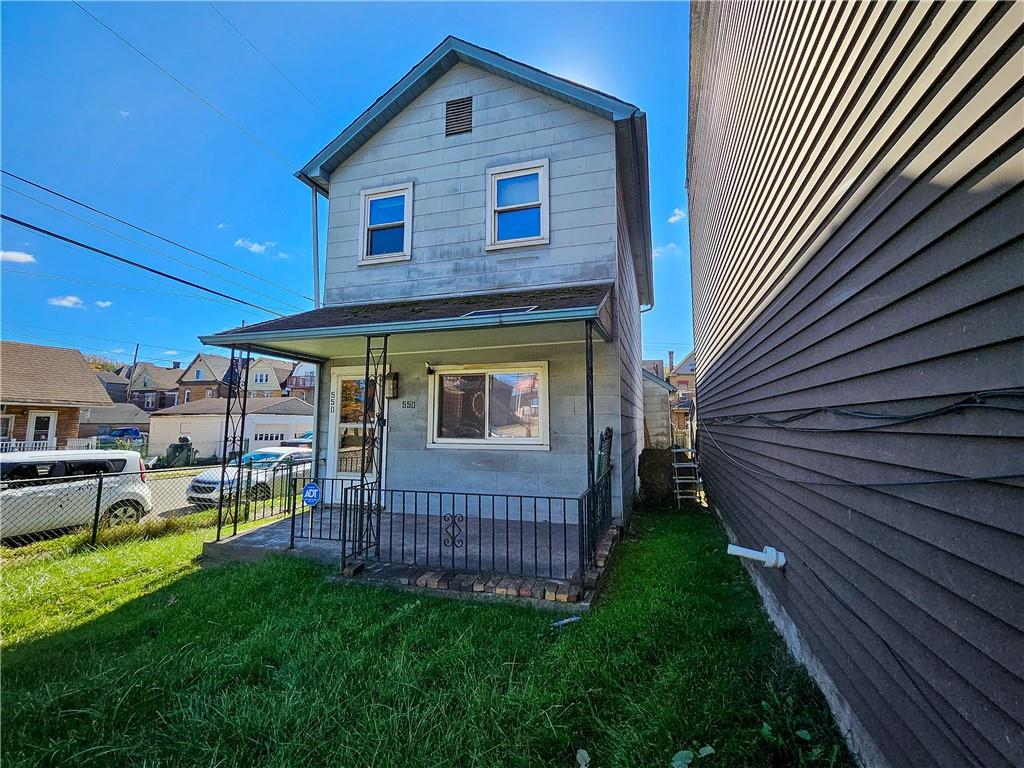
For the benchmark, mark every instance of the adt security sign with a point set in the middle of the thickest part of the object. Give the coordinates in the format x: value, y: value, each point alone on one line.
x: 311, y: 494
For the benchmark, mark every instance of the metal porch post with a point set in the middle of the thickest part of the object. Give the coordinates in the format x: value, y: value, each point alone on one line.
x: 590, y: 402
x: 240, y: 438
x: 224, y: 451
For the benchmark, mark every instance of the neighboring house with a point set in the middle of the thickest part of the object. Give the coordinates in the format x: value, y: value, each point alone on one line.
x: 657, y: 410
x: 100, y: 420
x: 302, y: 382
x: 42, y: 390
x: 153, y: 387
x: 209, y: 376
x: 115, y: 384
x: 682, y: 375
x: 267, y: 422
x: 204, y: 378
x: 483, y: 215
x: 857, y: 252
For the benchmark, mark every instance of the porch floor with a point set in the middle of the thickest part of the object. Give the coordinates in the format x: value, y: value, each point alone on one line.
x: 517, y: 549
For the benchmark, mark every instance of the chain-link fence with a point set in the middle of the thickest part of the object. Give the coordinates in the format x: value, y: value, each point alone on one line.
x: 66, y: 504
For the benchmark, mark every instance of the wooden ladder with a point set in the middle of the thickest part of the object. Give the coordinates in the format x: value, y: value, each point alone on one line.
x: 685, y: 476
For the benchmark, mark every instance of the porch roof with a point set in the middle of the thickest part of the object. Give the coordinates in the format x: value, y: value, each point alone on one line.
x: 478, y: 311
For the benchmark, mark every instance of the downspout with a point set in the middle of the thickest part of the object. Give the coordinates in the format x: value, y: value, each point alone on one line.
x: 316, y: 249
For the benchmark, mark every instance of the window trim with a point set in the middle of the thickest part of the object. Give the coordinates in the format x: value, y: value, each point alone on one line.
x: 508, y: 171
x: 256, y: 377
x: 8, y: 417
x: 198, y: 375
x: 365, y: 197
x: 541, y: 443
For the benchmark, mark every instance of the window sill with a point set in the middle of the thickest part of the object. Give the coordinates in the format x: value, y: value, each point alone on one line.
x: 531, y: 243
x: 384, y: 260
x: 480, y: 445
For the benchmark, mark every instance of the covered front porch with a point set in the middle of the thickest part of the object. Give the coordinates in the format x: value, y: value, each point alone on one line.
x: 454, y: 435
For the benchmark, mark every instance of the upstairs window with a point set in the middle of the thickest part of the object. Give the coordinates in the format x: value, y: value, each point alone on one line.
x: 517, y: 205
x: 199, y: 374
x: 385, y: 231
x: 261, y: 378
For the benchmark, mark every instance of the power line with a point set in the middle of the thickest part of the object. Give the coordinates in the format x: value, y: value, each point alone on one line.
x: 145, y: 231
x: 267, y: 59
x: 115, y: 286
x: 188, y: 88
x: 148, y: 248
x: 123, y: 260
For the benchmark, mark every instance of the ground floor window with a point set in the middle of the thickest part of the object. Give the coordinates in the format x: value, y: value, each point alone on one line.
x: 496, y: 405
x: 7, y: 427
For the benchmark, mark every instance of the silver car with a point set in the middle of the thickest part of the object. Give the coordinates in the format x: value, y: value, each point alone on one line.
x: 265, y: 474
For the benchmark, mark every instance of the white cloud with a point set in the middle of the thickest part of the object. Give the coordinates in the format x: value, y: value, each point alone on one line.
x: 118, y: 351
x: 68, y: 302
x: 253, y: 247
x: 170, y: 351
x: 18, y: 257
x: 124, y: 113
x: 103, y: 304
x: 224, y: 226
x: 678, y: 214
x: 661, y: 250
x: 283, y: 255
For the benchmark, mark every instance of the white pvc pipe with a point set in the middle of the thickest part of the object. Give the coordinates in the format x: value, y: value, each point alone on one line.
x: 769, y: 557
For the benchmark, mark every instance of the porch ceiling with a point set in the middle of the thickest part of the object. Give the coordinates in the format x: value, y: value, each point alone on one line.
x: 549, y: 316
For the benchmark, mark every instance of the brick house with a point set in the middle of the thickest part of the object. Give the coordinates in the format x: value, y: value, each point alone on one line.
x: 154, y: 387
x: 207, y: 376
x: 42, y: 391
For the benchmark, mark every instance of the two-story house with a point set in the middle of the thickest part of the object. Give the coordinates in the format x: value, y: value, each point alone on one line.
x: 208, y: 376
x: 488, y: 256
x: 152, y: 386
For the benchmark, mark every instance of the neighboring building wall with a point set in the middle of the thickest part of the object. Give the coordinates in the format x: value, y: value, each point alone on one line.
x: 261, y: 430
x: 511, y: 123
x: 269, y: 388
x: 657, y: 416
x: 205, y: 432
x: 67, y: 421
x: 197, y: 391
x: 855, y: 221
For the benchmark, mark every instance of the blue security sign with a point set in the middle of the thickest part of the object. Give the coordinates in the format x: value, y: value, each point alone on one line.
x: 311, y: 494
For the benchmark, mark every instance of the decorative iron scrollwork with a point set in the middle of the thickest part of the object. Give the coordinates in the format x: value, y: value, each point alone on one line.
x: 453, y: 529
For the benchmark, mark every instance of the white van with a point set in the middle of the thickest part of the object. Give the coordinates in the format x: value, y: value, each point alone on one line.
x: 53, y: 490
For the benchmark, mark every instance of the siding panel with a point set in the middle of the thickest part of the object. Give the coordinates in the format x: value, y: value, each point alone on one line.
x: 856, y: 186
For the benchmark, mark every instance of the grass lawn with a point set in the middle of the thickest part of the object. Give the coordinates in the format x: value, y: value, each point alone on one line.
x: 132, y: 656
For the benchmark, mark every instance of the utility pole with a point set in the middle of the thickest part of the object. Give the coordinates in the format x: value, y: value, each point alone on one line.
x: 131, y: 377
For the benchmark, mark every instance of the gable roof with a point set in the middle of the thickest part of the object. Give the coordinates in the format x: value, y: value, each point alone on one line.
x: 110, y: 377
x: 214, y: 406
x: 450, y: 52
x: 630, y: 134
x: 655, y: 379
x: 118, y: 413
x: 684, y: 366
x: 36, y: 375
x: 282, y: 368
x: 148, y: 376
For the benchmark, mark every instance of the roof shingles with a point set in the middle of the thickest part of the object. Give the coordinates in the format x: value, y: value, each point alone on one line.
x: 36, y: 375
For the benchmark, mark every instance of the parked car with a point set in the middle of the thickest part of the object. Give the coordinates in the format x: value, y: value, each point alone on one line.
x: 265, y: 474
x: 132, y: 435
x: 53, y: 490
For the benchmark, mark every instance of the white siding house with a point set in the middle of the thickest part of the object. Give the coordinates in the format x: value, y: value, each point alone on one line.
x: 485, y: 219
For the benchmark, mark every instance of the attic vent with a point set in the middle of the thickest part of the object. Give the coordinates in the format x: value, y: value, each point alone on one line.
x: 458, y: 116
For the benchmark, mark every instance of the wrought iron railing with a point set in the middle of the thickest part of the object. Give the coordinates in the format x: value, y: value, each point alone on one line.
x: 540, y: 536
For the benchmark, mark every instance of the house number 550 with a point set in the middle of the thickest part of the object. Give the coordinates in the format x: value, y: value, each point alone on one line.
x: 408, y: 403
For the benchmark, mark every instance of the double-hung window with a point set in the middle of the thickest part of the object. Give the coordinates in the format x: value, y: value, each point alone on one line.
x: 499, y: 406
x: 385, y: 224
x: 517, y: 205
x: 261, y: 378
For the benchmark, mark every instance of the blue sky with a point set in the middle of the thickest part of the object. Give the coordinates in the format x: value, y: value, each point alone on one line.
x: 84, y: 114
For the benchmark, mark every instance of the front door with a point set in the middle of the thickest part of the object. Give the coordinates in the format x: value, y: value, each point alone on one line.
x: 345, y: 431
x: 42, y: 427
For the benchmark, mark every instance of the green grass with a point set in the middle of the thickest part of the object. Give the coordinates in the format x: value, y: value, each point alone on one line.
x: 131, y: 656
